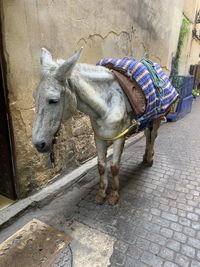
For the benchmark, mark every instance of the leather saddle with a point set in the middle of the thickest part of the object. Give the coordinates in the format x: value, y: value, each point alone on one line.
x: 133, y: 92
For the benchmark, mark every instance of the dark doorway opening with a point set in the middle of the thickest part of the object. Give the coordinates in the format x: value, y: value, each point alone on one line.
x: 7, y: 170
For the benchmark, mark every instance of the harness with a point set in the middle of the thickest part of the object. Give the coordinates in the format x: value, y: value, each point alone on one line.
x: 51, y: 153
x: 134, y: 127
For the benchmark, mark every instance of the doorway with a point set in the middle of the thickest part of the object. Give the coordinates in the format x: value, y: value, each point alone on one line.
x: 7, y: 170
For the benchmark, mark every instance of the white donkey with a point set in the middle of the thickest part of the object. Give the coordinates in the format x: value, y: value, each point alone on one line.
x: 66, y: 86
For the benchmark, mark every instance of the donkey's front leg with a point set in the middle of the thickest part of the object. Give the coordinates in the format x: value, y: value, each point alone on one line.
x: 101, y: 153
x: 118, y: 146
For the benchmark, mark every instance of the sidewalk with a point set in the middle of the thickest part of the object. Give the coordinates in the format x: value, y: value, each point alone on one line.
x: 157, y: 220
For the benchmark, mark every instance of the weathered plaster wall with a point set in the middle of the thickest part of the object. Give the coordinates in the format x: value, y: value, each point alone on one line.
x: 191, y: 48
x: 105, y: 28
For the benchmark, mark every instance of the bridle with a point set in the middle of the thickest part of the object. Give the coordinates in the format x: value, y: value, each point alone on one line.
x: 51, y: 153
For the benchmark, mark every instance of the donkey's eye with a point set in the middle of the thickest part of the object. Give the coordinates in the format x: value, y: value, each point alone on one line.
x: 53, y: 101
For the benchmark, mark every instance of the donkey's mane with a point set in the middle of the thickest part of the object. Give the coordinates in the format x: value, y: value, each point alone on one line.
x: 95, y: 73
x: 91, y: 72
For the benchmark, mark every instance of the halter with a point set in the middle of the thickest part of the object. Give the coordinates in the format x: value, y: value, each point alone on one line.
x: 51, y: 153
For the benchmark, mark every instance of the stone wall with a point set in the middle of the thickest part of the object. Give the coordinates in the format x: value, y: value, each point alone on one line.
x: 106, y: 29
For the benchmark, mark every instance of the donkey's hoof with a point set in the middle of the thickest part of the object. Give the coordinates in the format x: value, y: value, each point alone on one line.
x: 113, y: 198
x: 100, y: 198
x: 144, y: 161
x: 149, y: 163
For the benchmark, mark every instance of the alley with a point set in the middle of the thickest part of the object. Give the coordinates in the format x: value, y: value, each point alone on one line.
x: 157, y: 220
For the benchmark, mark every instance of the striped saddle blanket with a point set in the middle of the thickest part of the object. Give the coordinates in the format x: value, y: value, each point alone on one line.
x: 158, y: 100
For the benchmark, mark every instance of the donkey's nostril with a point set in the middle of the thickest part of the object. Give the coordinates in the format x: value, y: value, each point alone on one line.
x: 43, y: 144
x: 40, y: 146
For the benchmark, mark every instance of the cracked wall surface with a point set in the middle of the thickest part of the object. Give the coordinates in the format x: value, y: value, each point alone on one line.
x: 106, y: 29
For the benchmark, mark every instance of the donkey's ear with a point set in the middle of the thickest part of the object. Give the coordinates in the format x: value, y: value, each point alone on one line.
x: 46, y: 61
x: 64, y: 71
x: 46, y: 57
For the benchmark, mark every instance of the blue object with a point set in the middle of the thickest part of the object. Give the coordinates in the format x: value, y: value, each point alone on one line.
x: 184, y: 107
x: 183, y: 84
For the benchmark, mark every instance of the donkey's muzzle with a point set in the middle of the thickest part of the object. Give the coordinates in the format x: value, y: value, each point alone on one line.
x: 42, y: 147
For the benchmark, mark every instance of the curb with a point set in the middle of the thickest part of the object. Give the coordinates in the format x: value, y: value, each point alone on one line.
x: 47, y: 194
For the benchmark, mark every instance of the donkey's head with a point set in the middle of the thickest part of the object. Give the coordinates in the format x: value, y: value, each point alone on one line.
x: 54, y: 99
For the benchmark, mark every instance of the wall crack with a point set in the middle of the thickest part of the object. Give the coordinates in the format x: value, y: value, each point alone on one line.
x: 91, y: 36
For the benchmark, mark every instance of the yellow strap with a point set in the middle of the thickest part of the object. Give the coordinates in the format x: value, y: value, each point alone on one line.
x: 135, y: 123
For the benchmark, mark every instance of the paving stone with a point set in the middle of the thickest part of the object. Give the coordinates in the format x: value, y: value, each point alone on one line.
x: 185, y: 207
x: 131, y: 262
x: 193, y: 242
x: 167, y: 254
x: 196, y: 226
x: 140, y: 231
x: 152, y: 227
x: 170, y: 194
x: 189, y: 186
x: 134, y: 252
x: 160, y: 189
x: 64, y: 259
x: 184, y: 221
x: 155, y: 211
x: 189, y: 196
x: 142, y: 243
x: 180, y: 237
x: 154, y: 204
x: 160, y: 221
x: 166, y: 232
x: 117, y: 257
x: 198, y: 255
x: 194, y: 192
x: 189, y: 231
x: 193, y: 216
x: 169, y: 216
x: 182, y: 260
x: 121, y: 246
x: 182, y: 213
x: 197, y: 210
x: 151, y: 259
x: 176, y: 227
x: 164, y: 207
x: 154, y: 248
x: 188, y: 251
x: 156, y: 238
x: 174, y: 245
x: 163, y: 200
x: 192, y: 203
x: 170, y: 264
x: 173, y: 210
x: 195, y: 264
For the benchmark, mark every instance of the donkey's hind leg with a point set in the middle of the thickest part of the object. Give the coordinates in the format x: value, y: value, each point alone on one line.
x: 118, y: 146
x: 151, y: 134
x: 101, y: 153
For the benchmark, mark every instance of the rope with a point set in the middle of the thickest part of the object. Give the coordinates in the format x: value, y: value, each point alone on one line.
x: 135, y: 124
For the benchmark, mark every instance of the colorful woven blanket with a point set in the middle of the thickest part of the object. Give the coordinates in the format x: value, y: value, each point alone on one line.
x: 158, y: 100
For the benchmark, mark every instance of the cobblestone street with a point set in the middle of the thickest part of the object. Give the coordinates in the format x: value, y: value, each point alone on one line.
x: 157, y: 220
